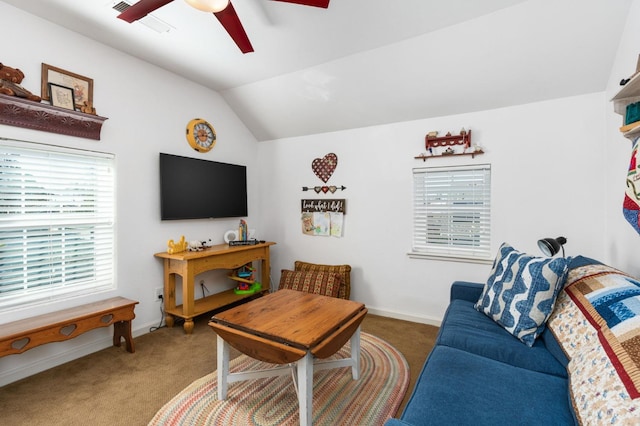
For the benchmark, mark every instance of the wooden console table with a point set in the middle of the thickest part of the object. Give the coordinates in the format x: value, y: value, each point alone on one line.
x: 188, y: 264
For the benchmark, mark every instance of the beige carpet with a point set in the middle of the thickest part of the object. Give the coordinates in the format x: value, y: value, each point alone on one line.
x: 115, y: 388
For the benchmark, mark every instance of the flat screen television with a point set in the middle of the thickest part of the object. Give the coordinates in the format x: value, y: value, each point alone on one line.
x: 191, y: 188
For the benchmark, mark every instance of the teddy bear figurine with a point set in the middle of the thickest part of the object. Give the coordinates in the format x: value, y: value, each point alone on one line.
x: 87, y: 108
x: 10, y: 79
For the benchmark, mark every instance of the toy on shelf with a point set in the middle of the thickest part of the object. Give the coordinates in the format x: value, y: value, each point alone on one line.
x: 173, y: 247
x: 242, y: 230
x: 244, y: 277
x: 195, y: 245
x: 10, y: 79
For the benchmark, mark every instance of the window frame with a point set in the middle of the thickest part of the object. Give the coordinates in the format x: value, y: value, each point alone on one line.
x: 57, y: 217
x: 455, y: 232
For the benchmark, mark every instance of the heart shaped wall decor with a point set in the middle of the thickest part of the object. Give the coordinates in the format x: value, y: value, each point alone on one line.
x: 324, y: 167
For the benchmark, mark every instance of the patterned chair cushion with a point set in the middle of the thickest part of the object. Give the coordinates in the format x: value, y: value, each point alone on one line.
x: 343, y: 270
x: 317, y: 282
x: 521, y: 292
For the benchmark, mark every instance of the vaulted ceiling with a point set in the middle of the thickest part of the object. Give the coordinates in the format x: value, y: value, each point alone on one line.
x: 367, y: 62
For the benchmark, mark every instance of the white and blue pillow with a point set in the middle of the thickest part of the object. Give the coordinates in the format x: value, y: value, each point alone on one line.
x: 521, y: 292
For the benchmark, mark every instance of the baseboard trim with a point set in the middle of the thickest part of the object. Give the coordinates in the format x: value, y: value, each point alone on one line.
x: 412, y: 318
x: 75, y: 352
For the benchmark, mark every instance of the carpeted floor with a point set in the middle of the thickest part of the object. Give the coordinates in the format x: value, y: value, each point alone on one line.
x: 113, y: 387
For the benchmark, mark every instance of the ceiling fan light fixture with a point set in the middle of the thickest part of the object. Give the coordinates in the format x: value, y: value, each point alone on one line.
x: 213, y: 6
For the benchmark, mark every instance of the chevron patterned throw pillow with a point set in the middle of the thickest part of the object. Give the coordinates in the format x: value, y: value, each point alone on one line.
x: 521, y: 292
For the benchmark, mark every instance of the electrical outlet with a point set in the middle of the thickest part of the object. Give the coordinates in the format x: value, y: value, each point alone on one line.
x: 159, y: 293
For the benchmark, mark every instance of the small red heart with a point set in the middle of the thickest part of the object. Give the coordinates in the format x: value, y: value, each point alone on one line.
x: 325, y: 189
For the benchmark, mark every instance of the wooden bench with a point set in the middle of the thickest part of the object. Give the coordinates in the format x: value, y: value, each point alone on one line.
x: 19, y: 336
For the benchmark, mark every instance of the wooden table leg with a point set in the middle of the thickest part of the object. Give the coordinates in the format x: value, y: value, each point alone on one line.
x: 305, y: 389
x: 169, y: 293
x: 188, y: 325
x: 122, y: 330
x: 223, y: 367
x: 169, y: 320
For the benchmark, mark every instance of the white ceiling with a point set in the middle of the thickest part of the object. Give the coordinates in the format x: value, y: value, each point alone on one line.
x: 368, y: 62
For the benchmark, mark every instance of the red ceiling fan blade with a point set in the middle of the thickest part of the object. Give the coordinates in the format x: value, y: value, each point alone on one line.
x: 316, y: 3
x: 142, y: 9
x: 230, y: 21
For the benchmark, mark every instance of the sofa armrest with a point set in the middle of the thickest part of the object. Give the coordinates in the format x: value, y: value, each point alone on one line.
x: 466, y: 291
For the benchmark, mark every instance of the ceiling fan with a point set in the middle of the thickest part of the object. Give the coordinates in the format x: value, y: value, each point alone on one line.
x: 222, y: 9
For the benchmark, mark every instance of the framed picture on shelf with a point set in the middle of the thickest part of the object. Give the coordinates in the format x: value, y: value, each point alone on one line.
x: 82, y: 86
x: 61, y: 96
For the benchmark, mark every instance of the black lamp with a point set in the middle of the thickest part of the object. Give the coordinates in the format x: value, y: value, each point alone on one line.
x: 551, y: 246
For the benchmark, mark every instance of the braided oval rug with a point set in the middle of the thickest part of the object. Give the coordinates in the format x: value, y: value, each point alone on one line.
x: 337, y: 398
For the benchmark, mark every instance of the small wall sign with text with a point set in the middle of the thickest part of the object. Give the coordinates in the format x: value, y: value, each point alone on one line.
x: 334, y: 206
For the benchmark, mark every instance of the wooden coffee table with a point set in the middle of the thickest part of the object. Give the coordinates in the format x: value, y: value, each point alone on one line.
x: 287, y: 327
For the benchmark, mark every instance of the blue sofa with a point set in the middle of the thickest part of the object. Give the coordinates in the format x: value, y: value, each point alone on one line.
x: 479, y: 374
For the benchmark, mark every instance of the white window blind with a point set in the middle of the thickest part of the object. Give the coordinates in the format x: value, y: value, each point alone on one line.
x: 56, y: 222
x: 452, y: 212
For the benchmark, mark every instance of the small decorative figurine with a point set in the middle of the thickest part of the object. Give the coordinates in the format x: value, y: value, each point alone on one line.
x: 10, y: 79
x: 87, y: 108
x: 195, y: 246
x: 173, y: 247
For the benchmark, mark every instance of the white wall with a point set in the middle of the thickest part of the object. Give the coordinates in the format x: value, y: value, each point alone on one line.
x: 147, y: 110
x: 622, y: 241
x: 559, y: 168
x: 548, y: 180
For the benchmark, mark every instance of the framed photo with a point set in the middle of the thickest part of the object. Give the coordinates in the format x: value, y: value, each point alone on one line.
x: 61, y: 96
x: 82, y: 86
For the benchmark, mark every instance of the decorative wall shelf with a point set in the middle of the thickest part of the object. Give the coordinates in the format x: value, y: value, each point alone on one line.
x: 448, y: 140
x: 472, y: 154
x: 628, y: 94
x: 21, y: 112
x: 464, y: 138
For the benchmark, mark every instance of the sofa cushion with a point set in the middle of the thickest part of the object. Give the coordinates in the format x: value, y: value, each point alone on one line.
x: 521, y: 292
x: 465, y: 290
x: 467, y: 329
x: 343, y: 270
x: 317, y: 282
x: 461, y: 388
x: 579, y: 261
x: 553, y: 346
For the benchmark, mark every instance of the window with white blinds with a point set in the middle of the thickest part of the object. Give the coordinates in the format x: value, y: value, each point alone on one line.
x: 452, y: 212
x: 56, y: 222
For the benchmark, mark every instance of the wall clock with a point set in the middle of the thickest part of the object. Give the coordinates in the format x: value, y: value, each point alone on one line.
x: 201, y: 135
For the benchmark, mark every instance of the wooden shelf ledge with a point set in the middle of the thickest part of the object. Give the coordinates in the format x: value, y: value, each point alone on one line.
x: 424, y: 157
x: 24, y: 113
